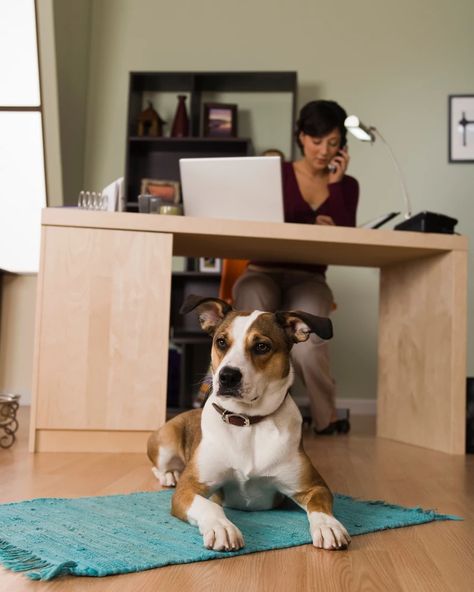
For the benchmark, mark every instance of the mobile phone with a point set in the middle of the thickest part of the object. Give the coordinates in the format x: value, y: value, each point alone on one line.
x: 331, y: 166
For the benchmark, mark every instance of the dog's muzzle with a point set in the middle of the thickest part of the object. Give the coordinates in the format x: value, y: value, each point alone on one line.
x: 230, y: 380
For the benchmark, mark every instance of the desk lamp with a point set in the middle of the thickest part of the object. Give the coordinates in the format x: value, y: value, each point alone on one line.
x: 422, y: 222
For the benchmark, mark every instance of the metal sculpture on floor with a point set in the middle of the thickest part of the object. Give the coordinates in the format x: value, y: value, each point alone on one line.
x: 8, y: 422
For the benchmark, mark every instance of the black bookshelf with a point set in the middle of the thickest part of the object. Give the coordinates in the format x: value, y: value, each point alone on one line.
x: 158, y: 158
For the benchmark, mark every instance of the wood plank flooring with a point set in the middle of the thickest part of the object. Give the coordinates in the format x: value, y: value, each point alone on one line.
x: 432, y: 557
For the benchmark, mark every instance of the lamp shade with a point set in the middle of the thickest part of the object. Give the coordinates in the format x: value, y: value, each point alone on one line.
x: 358, y: 129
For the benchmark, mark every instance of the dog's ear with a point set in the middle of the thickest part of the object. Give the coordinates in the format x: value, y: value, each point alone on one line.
x: 299, y: 325
x: 210, y: 311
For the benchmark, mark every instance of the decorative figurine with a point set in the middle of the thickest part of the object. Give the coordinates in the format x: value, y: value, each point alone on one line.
x: 150, y: 123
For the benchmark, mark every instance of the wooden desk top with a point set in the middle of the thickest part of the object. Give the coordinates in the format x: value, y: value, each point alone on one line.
x: 270, y: 241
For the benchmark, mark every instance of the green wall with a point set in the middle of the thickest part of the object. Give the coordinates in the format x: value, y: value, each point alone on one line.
x: 72, y: 24
x: 392, y: 63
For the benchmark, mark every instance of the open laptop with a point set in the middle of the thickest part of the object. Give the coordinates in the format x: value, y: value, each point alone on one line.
x: 239, y: 188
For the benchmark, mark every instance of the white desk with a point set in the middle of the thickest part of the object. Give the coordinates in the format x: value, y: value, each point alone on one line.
x: 102, y: 324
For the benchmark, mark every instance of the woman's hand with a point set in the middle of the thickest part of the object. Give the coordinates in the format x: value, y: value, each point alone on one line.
x: 324, y: 220
x: 340, y: 163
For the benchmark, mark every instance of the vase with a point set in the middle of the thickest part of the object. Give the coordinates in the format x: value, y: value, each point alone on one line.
x: 180, y: 128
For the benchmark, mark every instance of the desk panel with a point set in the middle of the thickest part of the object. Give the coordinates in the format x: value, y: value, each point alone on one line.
x: 421, y: 370
x: 102, y: 330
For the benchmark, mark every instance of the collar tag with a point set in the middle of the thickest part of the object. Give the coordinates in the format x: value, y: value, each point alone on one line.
x: 227, y: 415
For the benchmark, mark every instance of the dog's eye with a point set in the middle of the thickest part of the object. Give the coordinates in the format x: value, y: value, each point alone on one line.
x: 261, y: 348
x: 221, y: 343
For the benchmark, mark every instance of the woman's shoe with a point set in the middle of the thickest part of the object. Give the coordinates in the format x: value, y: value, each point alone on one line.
x: 340, y: 426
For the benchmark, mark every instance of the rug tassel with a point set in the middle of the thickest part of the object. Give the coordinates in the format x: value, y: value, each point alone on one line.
x: 18, y: 559
x: 430, y: 512
x: 53, y: 571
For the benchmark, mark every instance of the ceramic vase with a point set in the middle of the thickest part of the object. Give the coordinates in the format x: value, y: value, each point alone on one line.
x: 180, y: 128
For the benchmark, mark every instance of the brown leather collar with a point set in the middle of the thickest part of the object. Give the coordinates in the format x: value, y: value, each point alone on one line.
x: 239, y: 419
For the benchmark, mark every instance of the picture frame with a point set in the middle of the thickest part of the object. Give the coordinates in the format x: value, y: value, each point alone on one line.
x: 461, y: 128
x: 209, y: 264
x: 219, y: 120
x: 166, y: 190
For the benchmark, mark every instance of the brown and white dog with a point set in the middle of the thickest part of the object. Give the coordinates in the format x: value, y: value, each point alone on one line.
x: 244, y: 448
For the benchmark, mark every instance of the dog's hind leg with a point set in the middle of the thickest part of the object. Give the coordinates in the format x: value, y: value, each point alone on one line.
x: 166, y: 454
x: 168, y: 468
x: 170, y: 447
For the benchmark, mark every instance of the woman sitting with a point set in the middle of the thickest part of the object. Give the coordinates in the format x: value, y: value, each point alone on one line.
x: 316, y: 190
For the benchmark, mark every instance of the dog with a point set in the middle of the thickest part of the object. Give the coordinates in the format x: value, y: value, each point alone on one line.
x: 244, y: 448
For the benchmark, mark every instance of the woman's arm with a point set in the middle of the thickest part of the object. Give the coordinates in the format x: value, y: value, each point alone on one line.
x: 342, y: 204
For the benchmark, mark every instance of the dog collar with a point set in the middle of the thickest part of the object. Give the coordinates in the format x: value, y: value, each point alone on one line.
x: 239, y: 419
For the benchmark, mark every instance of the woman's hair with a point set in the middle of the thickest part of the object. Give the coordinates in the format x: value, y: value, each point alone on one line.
x: 319, y: 118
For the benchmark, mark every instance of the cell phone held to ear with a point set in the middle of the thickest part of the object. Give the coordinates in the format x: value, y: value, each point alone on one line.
x: 332, y: 165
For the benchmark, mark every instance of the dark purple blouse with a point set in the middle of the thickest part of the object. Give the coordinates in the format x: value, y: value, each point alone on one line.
x: 341, y: 205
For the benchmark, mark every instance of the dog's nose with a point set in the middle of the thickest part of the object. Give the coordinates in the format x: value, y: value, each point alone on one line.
x: 229, y: 377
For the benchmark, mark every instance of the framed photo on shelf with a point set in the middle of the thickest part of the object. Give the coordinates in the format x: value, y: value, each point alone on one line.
x: 461, y: 128
x: 192, y: 264
x: 209, y: 264
x: 166, y: 190
x: 219, y: 120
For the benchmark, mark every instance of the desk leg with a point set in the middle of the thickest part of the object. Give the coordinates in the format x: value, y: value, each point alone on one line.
x: 422, y: 352
x: 101, y: 343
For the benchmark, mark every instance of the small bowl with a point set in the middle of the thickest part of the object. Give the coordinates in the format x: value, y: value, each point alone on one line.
x: 171, y: 210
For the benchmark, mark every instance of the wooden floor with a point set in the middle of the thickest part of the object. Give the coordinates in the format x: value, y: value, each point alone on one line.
x: 431, y: 557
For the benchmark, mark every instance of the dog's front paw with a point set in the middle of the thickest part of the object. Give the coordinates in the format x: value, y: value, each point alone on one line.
x: 327, y: 532
x: 166, y: 478
x: 222, y: 535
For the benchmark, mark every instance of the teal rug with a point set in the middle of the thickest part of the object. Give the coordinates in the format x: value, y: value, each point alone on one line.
x: 101, y: 536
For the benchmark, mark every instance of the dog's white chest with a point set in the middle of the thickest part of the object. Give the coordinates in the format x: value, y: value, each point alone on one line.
x: 246, y: 462
x: 249, y: 494
x: 246, y: 474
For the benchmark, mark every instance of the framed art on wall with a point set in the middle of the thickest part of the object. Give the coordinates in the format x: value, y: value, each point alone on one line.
x: 461, y: 128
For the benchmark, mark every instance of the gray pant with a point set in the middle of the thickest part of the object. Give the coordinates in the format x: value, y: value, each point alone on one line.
x: 271, y: 290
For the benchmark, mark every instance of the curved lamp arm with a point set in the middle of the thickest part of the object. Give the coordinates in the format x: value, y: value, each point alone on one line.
x: 369, y: 134
x: 399, y: 171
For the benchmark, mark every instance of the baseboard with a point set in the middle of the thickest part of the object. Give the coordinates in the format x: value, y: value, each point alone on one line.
x: 358, y: 406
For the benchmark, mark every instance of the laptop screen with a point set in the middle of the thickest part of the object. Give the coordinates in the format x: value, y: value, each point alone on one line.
x: 237, y: 188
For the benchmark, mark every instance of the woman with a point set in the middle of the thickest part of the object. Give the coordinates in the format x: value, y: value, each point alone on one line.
x: 316, y: 190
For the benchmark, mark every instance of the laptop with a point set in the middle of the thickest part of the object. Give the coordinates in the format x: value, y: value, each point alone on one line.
x: 237, y: 188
